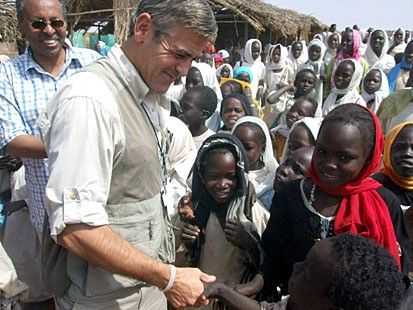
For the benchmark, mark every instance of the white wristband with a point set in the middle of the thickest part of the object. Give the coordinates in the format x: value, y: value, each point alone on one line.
x: 172, y: 277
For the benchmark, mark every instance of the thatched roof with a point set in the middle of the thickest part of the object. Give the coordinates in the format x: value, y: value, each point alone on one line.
x: 8, y: 22
x: 259, y: 15
x: 263, y: 16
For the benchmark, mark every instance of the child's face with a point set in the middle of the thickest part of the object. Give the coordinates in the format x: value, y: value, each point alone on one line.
x: 343, y: 75
x: 276, y: 55
x: 295, y: 167
x: 402, y: 152
x: 339, y: 161
x: 305, y: 83
x: 301, y: 108
x: 333, y: 41
x: 194, y: 78
x: 297, y: 49
x: 244, y: 77
x: 311, y: 279
x: 192, y: 114
x: 220, y: 177
x: 398, y: 36
x: 225, y: 72
x: 314, y: 53
x: 377, y: 42
x: 249, y: 137
x: 298, y: 138
x: 231, y: 112
x: 347, y: 43
x: 255, y: 50
x: 372, y: 82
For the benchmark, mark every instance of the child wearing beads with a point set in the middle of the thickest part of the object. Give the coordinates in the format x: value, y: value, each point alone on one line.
x: 339, y: 197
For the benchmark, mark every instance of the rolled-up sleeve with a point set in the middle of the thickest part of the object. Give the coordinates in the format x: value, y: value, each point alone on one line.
x: 82, y: 140
x: 11, y: 120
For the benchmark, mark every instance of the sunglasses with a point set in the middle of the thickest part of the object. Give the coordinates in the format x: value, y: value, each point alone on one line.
x: 41, y: 24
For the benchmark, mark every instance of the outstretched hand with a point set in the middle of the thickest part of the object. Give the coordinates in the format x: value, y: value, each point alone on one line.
x: 188, y: 288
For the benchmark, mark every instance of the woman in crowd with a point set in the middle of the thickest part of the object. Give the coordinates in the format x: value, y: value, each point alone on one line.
x: 376, y: 53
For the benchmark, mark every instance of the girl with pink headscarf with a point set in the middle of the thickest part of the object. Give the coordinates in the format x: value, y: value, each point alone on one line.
x: 350, y: 48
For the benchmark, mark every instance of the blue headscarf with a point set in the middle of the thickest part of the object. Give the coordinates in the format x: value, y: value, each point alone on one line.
x: 242, y: 70
x: 395, y: 72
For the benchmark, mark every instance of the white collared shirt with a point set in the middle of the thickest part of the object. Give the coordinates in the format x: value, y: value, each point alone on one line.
x: 83, y: 134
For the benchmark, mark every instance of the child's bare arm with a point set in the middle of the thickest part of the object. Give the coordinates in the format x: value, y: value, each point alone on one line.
x: 230, y: 297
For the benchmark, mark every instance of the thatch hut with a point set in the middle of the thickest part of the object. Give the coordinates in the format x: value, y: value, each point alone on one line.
x: 238, y: 19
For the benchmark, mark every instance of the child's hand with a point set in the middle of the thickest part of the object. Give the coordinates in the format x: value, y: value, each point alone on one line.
x: 185, y: 209
x: 252, y: 288
x: 237, y: 235
x: 214, y: 290
x: 189, y: 234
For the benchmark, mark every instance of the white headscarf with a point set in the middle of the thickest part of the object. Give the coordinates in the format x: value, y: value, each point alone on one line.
x: 296, y: 63
x: 402, y: 46
x: 316, y: 66
x: 384, y: 61
x: 351, y: 93
x: 219, y: 69
x: 282, y: 63
x: 224, y: 53
x: 312, y: 123
x: 248, y: 52
x: 263, y: 181
x: 379, y: 95
x: 331, y: 53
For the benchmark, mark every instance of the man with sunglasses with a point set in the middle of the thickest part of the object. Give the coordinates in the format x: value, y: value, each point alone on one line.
x: 107, y: 143
x: 27, y: 83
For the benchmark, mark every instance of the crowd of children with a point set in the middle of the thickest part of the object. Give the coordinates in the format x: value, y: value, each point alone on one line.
x: 282, y: 182
x: 298, y: 169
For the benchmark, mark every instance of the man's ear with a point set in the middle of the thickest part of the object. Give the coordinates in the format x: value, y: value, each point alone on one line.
x: 205, y: 114
x: 143, y: 27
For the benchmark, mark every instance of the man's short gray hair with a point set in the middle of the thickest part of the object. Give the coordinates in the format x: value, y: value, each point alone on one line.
x: 195, y: 15
x: 20, y: 8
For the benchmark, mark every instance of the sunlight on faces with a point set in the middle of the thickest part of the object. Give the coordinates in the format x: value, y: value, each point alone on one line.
x: 333, y: 41
x: 252, y: 142
x: 347, y: 43
x: 377, y: 42
x: 339, y: 161
x: 47, y: 42
x: 297, y: 49
x: 220, y: 176
x: 314, y: 53
x: 344, y: 74
x: 372, y: 81
x: 310, y: 280
x: 402, y: 152
x: 163, y: 59
x: 232, y: 111
x: 299, y: 137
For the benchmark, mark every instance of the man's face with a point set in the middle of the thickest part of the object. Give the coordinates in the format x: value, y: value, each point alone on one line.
x: 168, y: 56
x: 42, y: 27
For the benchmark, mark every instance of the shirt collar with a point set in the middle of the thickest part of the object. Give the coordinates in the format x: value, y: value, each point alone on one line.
x: 70, y: 56
x: 129, y: 72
